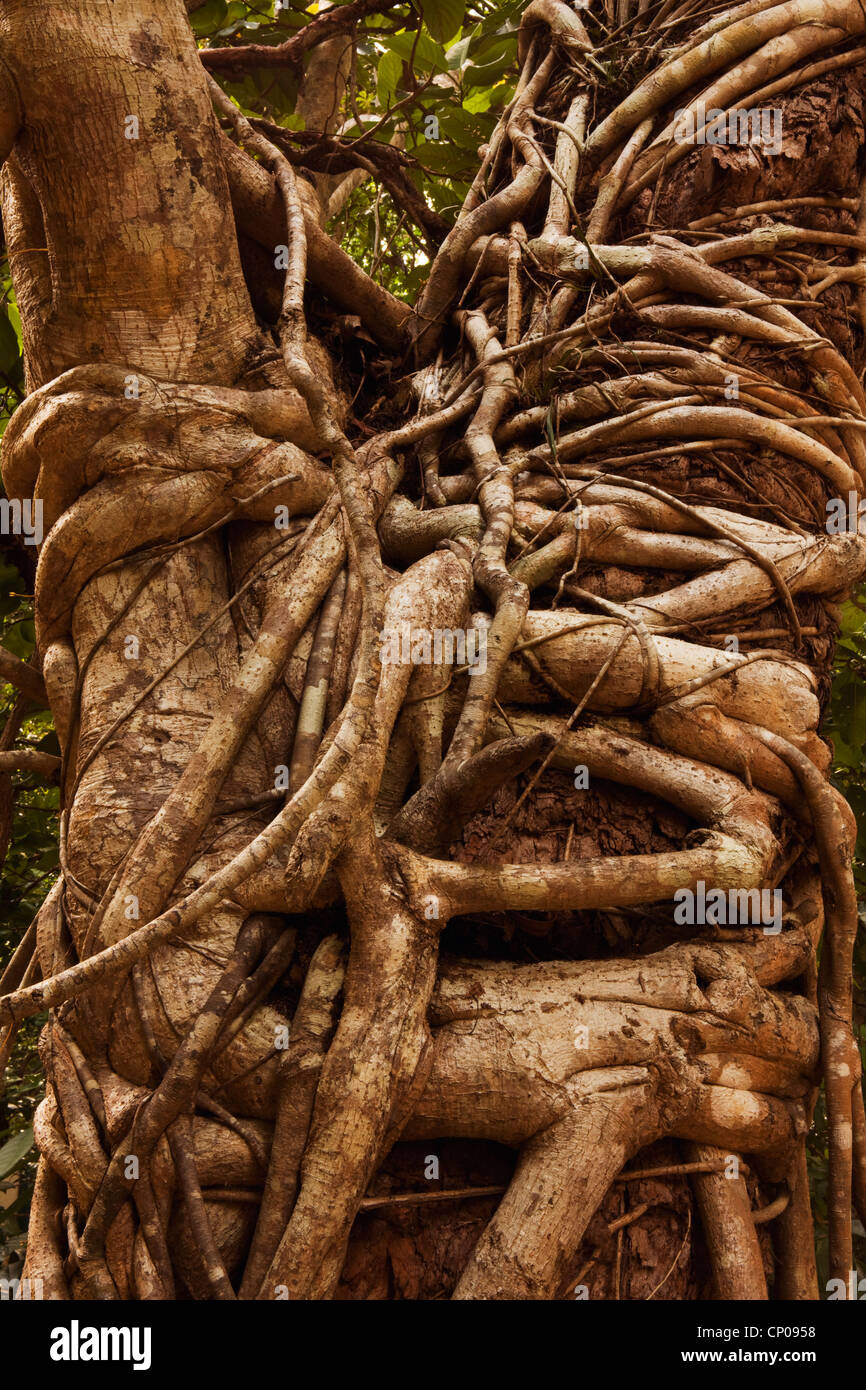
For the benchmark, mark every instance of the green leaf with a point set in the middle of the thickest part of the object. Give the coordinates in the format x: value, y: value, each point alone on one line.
x: 485, y: 74
x: 444, y: 18
x: 20, y: 640
x: 853, y: 619
x: 843, y: 754
x: 387, y: 77
x: 209, y: 17
x: 492, y: 47
x: 14, y: 1150
x: 427, y: 53
x: 857, y: 728
x: 483, y: 98
x: 459, y: 52
x: 14, y: 318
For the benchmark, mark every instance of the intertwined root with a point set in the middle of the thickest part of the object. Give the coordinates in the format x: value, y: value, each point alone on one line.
x: 579, y: 545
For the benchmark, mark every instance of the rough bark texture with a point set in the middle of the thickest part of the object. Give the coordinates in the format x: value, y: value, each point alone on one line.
x: 604, y: 510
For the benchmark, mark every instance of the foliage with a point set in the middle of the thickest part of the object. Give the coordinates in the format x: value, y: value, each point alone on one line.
x: 31, y: 862
x: 846, y: 725
x: 434, y: 75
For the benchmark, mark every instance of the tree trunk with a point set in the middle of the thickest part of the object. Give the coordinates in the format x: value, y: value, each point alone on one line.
x: 539, y: 667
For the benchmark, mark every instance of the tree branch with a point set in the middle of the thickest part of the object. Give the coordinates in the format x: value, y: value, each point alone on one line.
x: 340, y: 20
x: 260, y: 214
x: 384, y: 162
x: 30, y: 760
x: 16, y: 672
